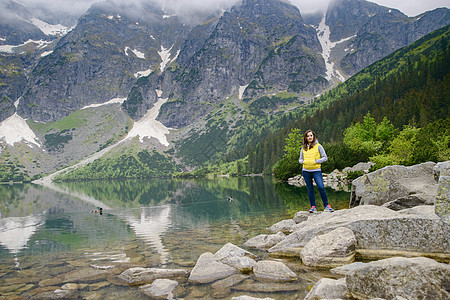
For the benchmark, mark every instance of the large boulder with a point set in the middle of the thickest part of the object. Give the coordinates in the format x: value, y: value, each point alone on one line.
x: 379, y: 231
x: 265, y: 241
x: 236, y: 257
x: 441, y: 173
x: 332, y: 249
x: 273, y: 271
x: 393, y: 182
x: 208, y: 269
x: 327, y: 288
x: 160, y: 289
x: 411, y: 278
x: 284, y: 226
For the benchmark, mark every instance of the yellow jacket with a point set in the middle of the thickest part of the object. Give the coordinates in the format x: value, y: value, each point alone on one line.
x: 313, y: 157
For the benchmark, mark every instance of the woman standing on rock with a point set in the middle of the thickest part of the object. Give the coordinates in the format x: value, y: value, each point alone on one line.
x: 311, y: 156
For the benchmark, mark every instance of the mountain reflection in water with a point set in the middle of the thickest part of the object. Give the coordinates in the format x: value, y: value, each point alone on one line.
x: 172, y: 217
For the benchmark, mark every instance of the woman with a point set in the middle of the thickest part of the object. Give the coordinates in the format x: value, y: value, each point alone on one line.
x: 311, y: 156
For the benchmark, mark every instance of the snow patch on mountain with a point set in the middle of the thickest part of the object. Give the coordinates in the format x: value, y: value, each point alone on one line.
x: 242, y: 90
x: 112, y: 101
x: 49, y: 29
x: 165, y: 57
x: 46, y: 53
x: 12, y: 48
x: 142, y: 73
x: 15, y: 129
x: 136, y: 52
x: 323, y: 33
x: 148, y: 126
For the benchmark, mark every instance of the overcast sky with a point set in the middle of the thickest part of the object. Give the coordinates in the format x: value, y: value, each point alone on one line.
x: 409, y: 7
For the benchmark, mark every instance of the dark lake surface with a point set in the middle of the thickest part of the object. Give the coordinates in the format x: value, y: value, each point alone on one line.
x: 48, y: 233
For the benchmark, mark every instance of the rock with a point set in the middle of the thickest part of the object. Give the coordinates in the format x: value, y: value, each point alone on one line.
x: 273, y: 270
x: 346, y: 269
x: 441, y: 173
x: 422, y: 210
x: 236, y: 257
x: 301, y: 216
x: 327, y: 288
x: 160, y: 289
x: 222, y: 288
x: 138, y: 275
x: 332, y: 249
x: 208, y: 269
x: 249, y: 298
x: 269, y: 287
x: 265, y: 241
x: 377, y: 229
x: 404, y: 202
x: 84, y: 275
x: 392, y: 182
x: 411, y: 278
x: 284, y: 226
x: 359, y: 167
x: 57, y: 294
x: 229, y: 281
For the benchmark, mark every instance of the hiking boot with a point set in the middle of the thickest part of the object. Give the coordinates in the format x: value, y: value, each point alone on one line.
x: 312, y: 209
x: 328, y: 208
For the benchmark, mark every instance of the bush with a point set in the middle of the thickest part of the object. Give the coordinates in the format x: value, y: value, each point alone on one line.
x: 287, y: 167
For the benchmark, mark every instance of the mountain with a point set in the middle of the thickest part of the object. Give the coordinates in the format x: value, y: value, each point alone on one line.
x: 213, y: 81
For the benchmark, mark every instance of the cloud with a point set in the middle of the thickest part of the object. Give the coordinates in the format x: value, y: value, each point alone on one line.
x: 409, y: 7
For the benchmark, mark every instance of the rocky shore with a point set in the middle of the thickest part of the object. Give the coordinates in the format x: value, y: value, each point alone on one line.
x: 405, y: 236
x: 392, y: 243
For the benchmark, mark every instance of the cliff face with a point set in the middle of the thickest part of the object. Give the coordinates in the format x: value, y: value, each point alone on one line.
x: 255, y: 48
x: 97, y: 61
x: 259, y: 46
x: 386, y: 33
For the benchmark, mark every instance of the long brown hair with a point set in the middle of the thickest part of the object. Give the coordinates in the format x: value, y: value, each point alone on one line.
x: 305, y: 142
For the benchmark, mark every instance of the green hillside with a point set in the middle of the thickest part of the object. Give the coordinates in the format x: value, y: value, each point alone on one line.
x: 409, y: 87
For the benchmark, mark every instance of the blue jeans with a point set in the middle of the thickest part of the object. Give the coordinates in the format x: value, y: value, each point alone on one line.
x: 317, y: 175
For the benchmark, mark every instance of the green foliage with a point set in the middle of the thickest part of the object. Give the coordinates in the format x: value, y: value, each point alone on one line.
x: 354, y: 174
x: 408, y: 87
x: 126, y: 166
x: 56, y: 141
x: 287, y: 167
x: 369, y: 136
x: 293, y: 143
x: 433, y: 142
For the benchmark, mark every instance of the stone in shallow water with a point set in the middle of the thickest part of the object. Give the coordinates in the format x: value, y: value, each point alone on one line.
x: 208, y: 269
x: 273, y: 270
x: 138, y: 275
x: 160, y: 289
x: 267, y: 287
x: 265, y: 241
x: 327, y: 288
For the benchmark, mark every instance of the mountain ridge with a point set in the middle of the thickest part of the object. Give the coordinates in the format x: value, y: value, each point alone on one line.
x: 258, y: 62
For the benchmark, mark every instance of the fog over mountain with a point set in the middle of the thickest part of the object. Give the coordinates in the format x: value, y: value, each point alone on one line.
x: 409, y: 7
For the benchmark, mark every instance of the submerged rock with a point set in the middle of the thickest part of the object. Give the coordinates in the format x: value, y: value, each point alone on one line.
x: 138, y: 275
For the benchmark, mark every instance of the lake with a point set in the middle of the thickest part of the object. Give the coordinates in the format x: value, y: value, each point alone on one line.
x: 49, y: 236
